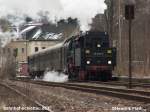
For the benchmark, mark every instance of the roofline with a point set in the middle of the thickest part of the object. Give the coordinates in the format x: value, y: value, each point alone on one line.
x: 46, y: 40
x: 35, y: 40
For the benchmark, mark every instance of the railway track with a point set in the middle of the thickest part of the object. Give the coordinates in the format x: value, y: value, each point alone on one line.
x: 38, y: 105
x: 119, y: 83
x: 130, y: 94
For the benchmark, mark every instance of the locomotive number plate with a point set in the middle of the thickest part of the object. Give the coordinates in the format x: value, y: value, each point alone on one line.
x: 98, y: 54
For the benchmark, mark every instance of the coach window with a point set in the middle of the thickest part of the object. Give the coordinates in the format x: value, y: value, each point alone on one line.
x: 36, y: 49
x: 70, y: 45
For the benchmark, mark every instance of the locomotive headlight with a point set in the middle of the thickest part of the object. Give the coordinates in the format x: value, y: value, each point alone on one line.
x: 109, y: 62
x: 87, y: 51
x: 88, y: 62
x: 109, y: 51
x: 98, y: 45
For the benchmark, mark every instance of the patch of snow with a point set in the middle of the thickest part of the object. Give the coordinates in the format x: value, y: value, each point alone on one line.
x: 37, y: 34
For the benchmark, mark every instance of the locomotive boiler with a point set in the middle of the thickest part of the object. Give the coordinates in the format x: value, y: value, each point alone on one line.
x: 85, y: 56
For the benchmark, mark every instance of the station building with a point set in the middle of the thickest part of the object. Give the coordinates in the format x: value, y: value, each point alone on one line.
x: 119, y: 33
x: 17, y: 51
x: 24, y: 48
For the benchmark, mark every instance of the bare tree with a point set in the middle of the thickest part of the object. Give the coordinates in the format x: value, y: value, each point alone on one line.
x: 8, y: 65
x: 99, y: 23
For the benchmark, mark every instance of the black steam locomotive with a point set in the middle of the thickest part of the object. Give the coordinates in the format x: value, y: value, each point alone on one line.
x: 86, y: 56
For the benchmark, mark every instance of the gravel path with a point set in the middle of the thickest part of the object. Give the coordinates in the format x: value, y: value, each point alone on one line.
x: 64, y: 100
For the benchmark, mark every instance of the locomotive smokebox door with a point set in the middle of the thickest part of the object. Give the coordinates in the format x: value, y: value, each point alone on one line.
x: 129, y: 12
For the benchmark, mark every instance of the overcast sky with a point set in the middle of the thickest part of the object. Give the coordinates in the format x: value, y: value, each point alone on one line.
x: 84, y: 10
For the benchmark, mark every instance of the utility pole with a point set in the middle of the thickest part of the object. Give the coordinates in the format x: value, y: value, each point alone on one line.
x: 119, y: 32
x: 26, y: 47
x: 129, y: 15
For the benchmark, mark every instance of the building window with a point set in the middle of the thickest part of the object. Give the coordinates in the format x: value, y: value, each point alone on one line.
x: 22, y: 50
x: 43, y: 47
x: 15, y: 53
x: 36, y: 49
x: 3, y: 50
x: 8, y: 50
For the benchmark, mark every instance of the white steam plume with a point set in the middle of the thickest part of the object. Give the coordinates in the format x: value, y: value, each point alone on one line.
x: 84, y: 10
x: 6, y: 37
x: 53, y: 76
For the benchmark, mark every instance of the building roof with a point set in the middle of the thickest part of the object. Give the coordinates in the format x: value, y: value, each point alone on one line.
x: 36, y: 32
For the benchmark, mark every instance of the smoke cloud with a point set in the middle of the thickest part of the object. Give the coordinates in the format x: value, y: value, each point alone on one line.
x: 84, y: 10
x: 53, y: 76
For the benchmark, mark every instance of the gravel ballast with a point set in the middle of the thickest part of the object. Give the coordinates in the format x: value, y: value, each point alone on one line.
x: 64, y: 100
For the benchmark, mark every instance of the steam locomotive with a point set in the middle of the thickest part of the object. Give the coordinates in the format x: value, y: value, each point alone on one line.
x: 86, y: 56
